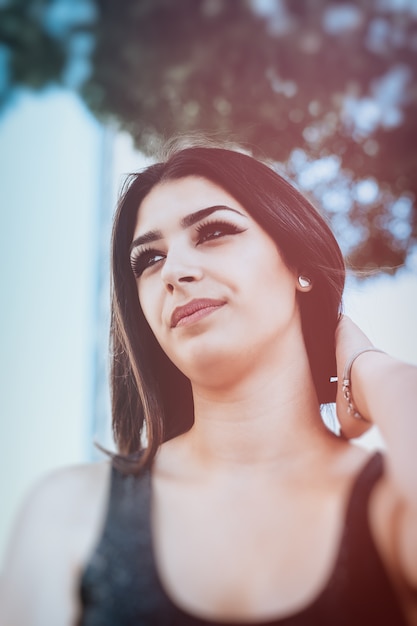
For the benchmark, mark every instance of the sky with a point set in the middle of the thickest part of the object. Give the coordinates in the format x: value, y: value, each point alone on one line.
x: 60, y: 175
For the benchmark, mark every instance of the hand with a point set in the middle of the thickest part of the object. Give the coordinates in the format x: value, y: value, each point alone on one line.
x: 349, y: 339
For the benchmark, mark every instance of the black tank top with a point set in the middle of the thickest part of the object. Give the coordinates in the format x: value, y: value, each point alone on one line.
x: 121, y: 587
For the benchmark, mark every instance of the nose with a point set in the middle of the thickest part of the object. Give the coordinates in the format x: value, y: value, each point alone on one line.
x: 180, y: 267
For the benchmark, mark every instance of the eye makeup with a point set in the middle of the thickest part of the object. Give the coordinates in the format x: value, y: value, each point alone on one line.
x: 143, y: 259
x: 215, y: 229
x: 206, y: 230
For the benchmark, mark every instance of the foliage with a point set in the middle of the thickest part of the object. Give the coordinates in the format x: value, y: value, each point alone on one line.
x: 301, y: 77
x: 35, y: 57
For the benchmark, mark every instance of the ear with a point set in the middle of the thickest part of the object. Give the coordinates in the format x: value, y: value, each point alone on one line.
x: 304, y: 283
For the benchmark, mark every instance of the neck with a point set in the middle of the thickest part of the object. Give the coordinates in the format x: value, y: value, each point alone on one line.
x: 267, y: 417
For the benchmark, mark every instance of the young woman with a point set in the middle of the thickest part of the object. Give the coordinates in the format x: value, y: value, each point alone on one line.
x: 230, y: 501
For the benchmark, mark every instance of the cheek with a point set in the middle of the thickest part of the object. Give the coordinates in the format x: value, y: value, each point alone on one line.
x: 277, y: 288
x: 147, y: 304
x: 151, y: 302
x: 271, y: 269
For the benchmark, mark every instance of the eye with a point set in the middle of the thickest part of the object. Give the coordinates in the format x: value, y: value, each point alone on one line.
x: 208, y: 231
x: 145, y: 259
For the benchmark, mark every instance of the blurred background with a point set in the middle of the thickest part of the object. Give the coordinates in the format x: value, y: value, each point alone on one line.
x: 325, y: 90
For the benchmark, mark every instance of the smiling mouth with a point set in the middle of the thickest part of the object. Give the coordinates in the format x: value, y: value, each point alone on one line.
x: 194, y: 311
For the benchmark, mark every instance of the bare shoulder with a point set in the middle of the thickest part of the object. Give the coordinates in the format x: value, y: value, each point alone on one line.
x: 54, y: 534
x: 61, y: 501
x: 63, y: 488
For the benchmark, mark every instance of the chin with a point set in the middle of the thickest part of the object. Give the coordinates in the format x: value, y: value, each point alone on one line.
x: 211, y: 364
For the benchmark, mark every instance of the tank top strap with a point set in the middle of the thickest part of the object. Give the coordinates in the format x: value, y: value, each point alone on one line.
x: 120, y: 584
x: 363, y: 485
x: 357, y: 532
x: 129, y: 501
x: 360, y: 573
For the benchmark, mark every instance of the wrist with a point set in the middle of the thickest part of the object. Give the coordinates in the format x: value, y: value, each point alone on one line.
x: 347, y: 383
x: 367, y: 373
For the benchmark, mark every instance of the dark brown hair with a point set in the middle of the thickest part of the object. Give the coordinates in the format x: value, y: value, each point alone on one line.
x: 149, y: 394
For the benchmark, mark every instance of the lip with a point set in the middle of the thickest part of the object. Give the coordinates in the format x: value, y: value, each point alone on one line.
x: 194, y: 311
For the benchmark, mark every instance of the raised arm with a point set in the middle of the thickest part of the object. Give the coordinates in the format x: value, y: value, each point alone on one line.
x: 384, y: 392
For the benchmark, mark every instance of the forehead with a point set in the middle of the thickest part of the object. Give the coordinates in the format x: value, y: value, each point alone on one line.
x: 176, y: 198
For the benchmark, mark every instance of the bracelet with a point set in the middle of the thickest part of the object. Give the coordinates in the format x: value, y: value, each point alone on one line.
x: 347, y: 384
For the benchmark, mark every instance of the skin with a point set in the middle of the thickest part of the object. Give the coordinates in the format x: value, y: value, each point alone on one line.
x: 259, y: 321
x: 258, y: 481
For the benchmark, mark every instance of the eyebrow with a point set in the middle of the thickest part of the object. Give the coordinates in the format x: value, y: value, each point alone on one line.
x: 186, y: 222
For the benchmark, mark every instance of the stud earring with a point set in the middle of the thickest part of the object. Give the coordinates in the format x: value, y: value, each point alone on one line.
x: 304, y: 282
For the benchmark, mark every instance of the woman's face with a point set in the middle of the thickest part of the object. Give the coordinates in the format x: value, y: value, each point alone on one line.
x: 211, y: 283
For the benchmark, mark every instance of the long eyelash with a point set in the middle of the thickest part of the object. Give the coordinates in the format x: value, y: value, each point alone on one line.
x: 228, y: 226
x: 139, y: 262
